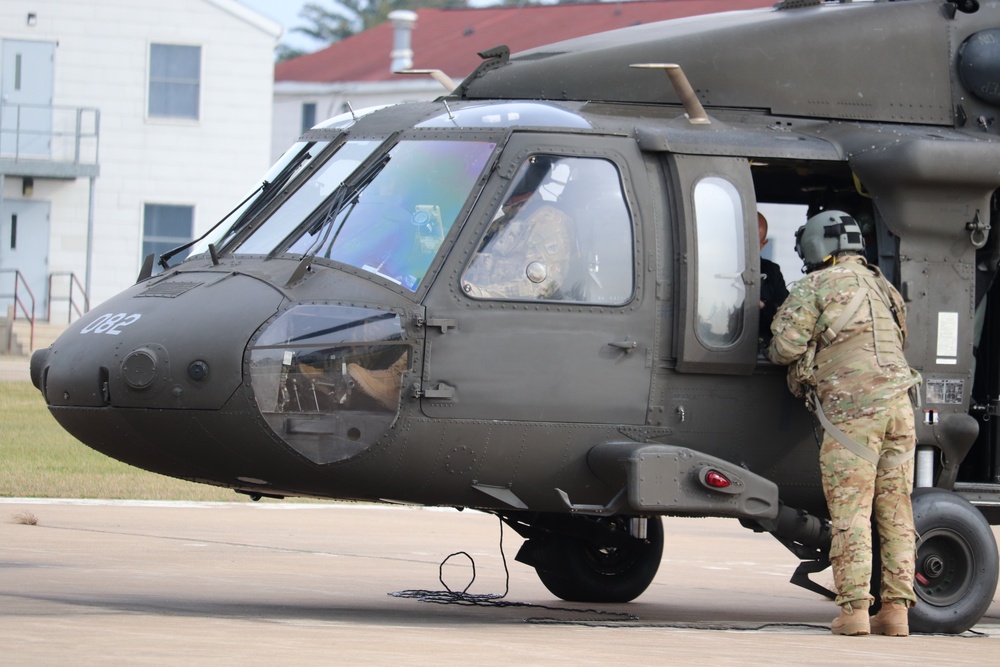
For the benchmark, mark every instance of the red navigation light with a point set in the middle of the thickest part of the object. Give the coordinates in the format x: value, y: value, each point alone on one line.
x: 717, y: 479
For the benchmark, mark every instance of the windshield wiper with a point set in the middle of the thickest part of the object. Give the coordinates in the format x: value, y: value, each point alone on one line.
x: 348, y: 193
x: 265, y: 188
x: 165, y: 257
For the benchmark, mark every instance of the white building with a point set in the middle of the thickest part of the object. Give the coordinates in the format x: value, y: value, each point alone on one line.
x: 126, y: 127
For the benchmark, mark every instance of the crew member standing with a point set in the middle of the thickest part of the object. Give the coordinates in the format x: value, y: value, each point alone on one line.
x: 772, y: 287
x: 842, y: 331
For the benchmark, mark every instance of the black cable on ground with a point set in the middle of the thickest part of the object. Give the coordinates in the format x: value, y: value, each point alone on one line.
x: 604, y: 618
x: 463, y: 597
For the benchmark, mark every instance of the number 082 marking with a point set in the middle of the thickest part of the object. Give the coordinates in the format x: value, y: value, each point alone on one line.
x: 111, y: 323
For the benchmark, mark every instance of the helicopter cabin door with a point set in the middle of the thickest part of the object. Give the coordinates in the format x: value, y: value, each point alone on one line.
x: 717, y: 331
x: 542, y: 313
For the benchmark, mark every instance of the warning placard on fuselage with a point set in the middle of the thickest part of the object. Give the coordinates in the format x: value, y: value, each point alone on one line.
x: 944, y: 392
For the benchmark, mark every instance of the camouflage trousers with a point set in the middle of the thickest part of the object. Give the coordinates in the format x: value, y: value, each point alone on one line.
x: 854, y: 487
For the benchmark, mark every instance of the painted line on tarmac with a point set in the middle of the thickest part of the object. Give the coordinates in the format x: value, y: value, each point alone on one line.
x: 206, y: 504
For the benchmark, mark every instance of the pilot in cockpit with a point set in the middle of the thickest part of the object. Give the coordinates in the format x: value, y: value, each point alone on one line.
x: 527, y: 249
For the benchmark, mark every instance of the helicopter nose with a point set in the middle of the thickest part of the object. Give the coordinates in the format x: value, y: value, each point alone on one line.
x: 38, y: 361
x: 175, y: 344
x: 151, y: 377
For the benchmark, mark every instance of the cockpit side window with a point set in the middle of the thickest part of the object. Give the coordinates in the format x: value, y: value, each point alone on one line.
x: 562, y: 233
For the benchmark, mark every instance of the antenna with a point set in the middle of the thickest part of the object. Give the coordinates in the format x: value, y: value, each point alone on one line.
x: 692, y: 107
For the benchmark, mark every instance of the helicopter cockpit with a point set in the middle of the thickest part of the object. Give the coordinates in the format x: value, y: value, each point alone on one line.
x: 327, y: 378
x: 380, y: 204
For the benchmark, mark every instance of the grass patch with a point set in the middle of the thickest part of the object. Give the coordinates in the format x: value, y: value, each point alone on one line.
x: 38, y: 459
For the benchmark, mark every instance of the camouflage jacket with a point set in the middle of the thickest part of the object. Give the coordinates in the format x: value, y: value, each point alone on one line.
x: 528, y: 258
x: 863, y: 363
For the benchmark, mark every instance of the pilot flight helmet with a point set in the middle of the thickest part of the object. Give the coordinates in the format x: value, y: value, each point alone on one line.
x: 826, y: 234
x: 555, y: 183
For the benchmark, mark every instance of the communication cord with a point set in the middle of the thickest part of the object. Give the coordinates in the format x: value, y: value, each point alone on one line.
x: 463, y: 597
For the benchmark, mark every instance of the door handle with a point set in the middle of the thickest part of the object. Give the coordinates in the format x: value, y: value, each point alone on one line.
x: 626, y: 345
x: 441, y: 391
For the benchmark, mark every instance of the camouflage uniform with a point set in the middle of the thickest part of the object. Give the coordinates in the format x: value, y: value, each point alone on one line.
x: 526, y: 259
x: 862, y: 381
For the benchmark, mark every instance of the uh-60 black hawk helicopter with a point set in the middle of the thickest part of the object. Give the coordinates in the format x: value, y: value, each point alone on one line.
x: 537, y: 296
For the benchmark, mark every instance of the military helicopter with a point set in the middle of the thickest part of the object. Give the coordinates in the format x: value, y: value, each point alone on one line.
x: 537, y: 296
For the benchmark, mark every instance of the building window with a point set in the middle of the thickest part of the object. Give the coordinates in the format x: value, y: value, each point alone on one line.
x: 166, y: 226
x: 174, y: 81
x: 308, y: 115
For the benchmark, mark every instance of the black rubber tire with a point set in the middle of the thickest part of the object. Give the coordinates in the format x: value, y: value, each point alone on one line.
x: 593, y: 573
x: 957, y: 563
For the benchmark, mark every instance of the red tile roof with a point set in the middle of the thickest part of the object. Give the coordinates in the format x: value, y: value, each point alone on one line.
x: 448, y: 39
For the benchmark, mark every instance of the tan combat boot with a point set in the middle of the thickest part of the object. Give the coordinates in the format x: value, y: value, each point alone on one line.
x: 892, y: 620
x: 852, y: 621
x: 382, y: 385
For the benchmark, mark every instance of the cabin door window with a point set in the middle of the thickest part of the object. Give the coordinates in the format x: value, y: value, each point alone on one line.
x: 721, y: 294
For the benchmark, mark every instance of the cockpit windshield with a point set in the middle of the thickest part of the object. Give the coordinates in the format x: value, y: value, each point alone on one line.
x: 388, y: 217
x: 309, y: 195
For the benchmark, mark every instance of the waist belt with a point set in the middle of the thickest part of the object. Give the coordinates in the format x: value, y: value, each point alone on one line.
x: 880, y: 462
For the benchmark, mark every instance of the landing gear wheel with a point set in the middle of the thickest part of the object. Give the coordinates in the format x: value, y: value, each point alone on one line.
x: 591, y: 571
x: 957, y: 563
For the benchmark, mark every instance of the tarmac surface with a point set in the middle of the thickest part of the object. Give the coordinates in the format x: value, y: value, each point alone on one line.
x: 96, y: 583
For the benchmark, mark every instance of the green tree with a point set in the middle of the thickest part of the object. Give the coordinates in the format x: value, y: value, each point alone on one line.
x: 283, y: 52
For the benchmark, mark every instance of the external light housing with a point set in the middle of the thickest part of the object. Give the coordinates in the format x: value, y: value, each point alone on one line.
x: 716, y: 479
